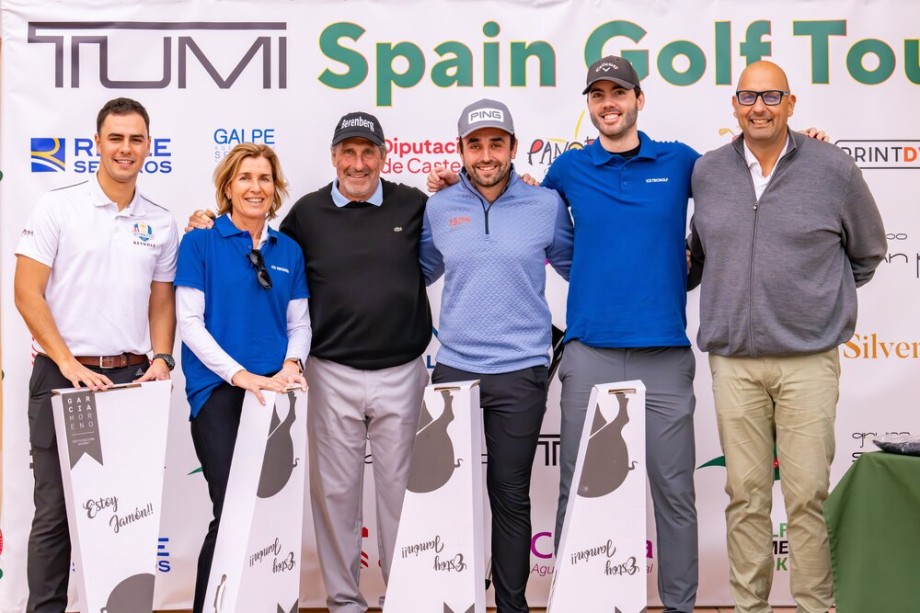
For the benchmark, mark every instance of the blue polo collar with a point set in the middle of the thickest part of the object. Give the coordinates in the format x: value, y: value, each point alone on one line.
x: 340, y: 200
x: 599, y: 156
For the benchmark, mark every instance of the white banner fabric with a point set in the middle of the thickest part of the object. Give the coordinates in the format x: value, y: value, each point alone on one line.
x: 213, y: 73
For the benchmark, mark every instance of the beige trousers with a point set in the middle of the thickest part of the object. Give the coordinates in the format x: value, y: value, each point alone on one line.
x: 789, y: 402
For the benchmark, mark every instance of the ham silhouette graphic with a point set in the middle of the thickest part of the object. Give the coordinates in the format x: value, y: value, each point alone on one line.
x: 278, y: 462
x: 132, y: 595
x: 433, y: 460
x: 607, y: 457
x: 219, y: 594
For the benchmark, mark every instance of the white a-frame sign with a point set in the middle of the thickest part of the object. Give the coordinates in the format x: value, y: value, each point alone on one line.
x: 112, y: 446
x: 601, y: 563
x: 439, y: 563
x: 256, y: 565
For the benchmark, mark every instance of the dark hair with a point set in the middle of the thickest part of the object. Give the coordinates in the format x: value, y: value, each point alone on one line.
x: 460, y: 141
x: 121, y: 106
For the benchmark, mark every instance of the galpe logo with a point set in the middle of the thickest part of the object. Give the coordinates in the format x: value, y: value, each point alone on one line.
x: 48, y: 155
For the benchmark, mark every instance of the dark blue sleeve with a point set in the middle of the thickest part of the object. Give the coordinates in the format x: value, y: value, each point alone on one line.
x: 429, y: 257
x: 559, y: 253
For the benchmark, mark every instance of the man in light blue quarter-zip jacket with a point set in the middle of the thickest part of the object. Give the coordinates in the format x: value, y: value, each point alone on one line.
x: 491, y: 235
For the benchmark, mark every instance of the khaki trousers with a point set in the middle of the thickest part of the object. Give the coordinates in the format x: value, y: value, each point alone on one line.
x: 790, y: 402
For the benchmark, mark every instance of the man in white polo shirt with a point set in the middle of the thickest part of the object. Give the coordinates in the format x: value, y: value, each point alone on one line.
x: 94, y: 267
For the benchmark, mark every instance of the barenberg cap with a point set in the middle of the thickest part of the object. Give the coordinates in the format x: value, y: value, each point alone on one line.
x: 358, y: 125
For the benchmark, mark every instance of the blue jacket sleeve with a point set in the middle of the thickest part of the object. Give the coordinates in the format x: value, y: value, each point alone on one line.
x: 559, y: 253
x: 429, y: 256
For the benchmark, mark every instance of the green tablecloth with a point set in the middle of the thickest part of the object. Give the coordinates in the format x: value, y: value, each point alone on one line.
x: 873, y: 518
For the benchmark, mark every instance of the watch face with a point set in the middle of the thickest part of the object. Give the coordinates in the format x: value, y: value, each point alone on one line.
x: 170, y: 361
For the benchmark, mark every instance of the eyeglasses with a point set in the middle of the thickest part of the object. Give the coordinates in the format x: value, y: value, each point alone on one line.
x: 771, y: 97
x: 262, y: 276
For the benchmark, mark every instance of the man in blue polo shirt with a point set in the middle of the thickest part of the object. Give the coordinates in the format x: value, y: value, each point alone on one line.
x: 626, y: 305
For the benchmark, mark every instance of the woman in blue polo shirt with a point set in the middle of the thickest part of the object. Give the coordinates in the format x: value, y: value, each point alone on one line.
x: 241, y: 301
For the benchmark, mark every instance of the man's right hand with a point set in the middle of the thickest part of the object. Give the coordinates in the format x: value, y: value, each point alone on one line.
x: 77, y: 373
x: 440, y: 177
x: 202, y: 219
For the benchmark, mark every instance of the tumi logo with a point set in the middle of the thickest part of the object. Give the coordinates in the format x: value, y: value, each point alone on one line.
x: 188, y: 53
x: 871, y: 347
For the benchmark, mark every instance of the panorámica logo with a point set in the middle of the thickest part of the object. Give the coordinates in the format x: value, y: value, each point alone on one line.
x: 51, y: 154
x: 544, y: 150
x: 196, y: 46
x: 883, y: 154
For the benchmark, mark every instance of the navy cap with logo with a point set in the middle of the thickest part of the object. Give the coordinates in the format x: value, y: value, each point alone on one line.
x: 358, y: 125
x: 612, y: 68
x: 485, y: 113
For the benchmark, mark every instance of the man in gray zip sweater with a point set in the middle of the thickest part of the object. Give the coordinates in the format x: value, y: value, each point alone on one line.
x: 784, y: 231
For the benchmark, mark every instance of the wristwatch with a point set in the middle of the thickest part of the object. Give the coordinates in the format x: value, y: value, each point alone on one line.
x: 297, y: 361
x: 168, y: 359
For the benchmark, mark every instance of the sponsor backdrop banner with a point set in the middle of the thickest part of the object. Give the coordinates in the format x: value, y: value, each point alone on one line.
x: 215, y: 73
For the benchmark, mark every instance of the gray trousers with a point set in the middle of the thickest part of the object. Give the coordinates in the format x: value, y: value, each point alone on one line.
x: 667, y: 373
x: 347, y: 408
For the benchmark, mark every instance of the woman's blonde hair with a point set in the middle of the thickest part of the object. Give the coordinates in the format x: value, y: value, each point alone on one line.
x: 230, y: 165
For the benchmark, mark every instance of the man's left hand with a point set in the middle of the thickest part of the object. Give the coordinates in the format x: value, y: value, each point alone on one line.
x: 158, y: 371
x: 290, y: 375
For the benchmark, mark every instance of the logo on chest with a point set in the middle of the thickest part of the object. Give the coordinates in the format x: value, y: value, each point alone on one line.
x: 455, y: 223
x: 143, y: 234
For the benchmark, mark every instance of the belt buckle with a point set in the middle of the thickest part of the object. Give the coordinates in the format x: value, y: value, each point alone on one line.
x: 109, y: 362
